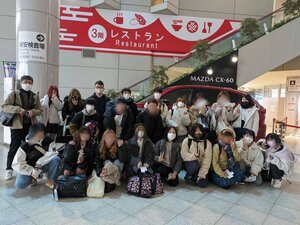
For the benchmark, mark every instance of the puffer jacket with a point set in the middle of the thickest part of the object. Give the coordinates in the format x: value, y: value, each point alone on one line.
x: 197, y: 151
x: 179, y: 118
x: 252, y: 156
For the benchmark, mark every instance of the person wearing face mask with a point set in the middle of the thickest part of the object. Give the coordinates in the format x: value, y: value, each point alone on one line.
x: 196, y: 153
x: 225, y: 170
x: 152, y: 121
x: 35, y: 157
x: 140, y: 152
x: 252, y: 158
x: 73, y: 104
x: 162, y: 107
x: 279, y: 161
x: 110, y: 159
x: 26, y: 106
x: 179, y: 117
x: 119, y: 118
x: 79, y: 154
x: 248, y: 117
x: 100, y: 98
x: 223, y: 113
x: 126, y: 93
x: 88, y: 114
x: 167, y: 157
x: 51, y: 105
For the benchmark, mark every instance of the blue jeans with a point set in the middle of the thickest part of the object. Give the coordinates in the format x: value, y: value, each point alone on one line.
x: 53, y: 169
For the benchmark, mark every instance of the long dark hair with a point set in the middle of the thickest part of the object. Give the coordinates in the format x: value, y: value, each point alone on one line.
x: 275, y: 137
x: 194, y: 128
x: 167, y: 131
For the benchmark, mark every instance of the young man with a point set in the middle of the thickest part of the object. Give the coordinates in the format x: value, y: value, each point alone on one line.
x: 126, y: 93
x: 26, y: 106
x: 100, y: 98
x: 34, y: 158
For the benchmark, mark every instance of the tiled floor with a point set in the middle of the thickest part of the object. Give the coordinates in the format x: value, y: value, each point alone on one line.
x: 243, y: 204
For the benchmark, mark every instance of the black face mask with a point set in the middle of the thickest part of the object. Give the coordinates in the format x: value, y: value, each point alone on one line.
x: 245, y: 105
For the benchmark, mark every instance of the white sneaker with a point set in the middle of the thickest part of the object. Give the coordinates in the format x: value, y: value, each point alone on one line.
x: 250, y: 179
x: 8, y: 174
x: 277, y: 184
x: 272, y: 182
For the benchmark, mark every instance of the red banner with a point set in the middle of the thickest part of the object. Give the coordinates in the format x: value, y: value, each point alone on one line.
x: 138, y: 33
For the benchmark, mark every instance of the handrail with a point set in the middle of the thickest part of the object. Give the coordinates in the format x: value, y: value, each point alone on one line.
x: 190, y: 54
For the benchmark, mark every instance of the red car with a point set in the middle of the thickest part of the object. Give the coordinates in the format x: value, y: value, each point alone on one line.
x: 188, y: 92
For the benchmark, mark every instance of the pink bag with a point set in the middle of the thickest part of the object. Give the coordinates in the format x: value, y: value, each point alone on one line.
x: 145, y: 185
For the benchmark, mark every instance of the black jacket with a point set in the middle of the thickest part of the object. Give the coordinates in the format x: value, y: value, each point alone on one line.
x: 71, y: 155
x: 175, y: 159
x: 153, y: 124
x: 126, y: 124
x: 99, y: 163
x: 133, y: 108
x: 100, y: 103
x: 66, y: 111
x: 133, y: 150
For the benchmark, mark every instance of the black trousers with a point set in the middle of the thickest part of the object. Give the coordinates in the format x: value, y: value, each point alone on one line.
x: 164, y: 171
x: 17, y: 136
x: 273, y: 173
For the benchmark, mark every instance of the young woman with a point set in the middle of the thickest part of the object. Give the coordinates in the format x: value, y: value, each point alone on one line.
x: 140, y: 152
x: 179, y: 117
x: 225, y: 170
x: 167, y: 157
x: 34, y: 157
x: 73, y: 104
x: 248, y: 118
x: 196, y: 153
x: 252, y: 158
x: 110, y: 159
x: 51, y: 105
x: 79, y: 154
x: 279, y: 161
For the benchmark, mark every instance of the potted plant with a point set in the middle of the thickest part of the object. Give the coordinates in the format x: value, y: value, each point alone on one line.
x: 291, y: 8
x: 159, y: 78
x: 202, y: 51
x: 112, y: 94
x: 250, y: 28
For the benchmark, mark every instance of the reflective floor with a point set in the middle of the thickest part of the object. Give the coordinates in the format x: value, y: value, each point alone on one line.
x: 243, y: 204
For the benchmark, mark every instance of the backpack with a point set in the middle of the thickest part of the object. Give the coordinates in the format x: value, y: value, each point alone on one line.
x: 145, y: 185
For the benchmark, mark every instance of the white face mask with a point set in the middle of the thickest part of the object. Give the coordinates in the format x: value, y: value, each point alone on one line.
x: 99, y: 90
x: 89, y: 108
x: 248, y: 140
x: 171, y: 136
x: 157, y: 95
x: 271, y: 143
x: 26, y: 87
x: 180, y: 104
x: 141, y: 133
x: 127, y: 96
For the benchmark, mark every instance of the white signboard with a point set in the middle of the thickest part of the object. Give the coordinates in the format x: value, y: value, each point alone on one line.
x: 293, y: 83
x: 32, y: 46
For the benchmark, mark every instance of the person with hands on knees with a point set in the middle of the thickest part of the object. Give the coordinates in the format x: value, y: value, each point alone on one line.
x: 26, y: 106
x: 109, y: 160
x: 79, y: 154
x: 35, y: 157
x: 252, y: 158
x: 167, y: 157
x: 225, y: 170
x: 279, y: 161
x: 179, y: 117
x: 140, y: 152
x: 196, y: 153
x: 51, y: 105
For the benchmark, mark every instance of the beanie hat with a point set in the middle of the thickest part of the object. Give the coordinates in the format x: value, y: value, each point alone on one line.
x: 90, y: 101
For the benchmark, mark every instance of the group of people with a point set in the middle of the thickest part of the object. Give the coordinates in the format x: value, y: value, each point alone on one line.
x: 211, y: 142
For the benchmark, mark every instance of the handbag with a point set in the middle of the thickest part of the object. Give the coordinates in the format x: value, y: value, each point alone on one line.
x: 95, y: 187
x: 70, y: 187
x: 7, y: 118
x: 145, y: 185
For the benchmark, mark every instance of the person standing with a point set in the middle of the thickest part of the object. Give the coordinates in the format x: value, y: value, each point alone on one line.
x: 126, y: 93
x: 26, y: 106
x: 100, y: 98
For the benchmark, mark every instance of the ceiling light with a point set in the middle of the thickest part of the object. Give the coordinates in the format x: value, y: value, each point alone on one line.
x: 234, y: 59
x: 210, y: 71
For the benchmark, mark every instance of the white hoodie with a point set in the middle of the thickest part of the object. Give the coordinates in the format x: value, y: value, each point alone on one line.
x: 177, y: 118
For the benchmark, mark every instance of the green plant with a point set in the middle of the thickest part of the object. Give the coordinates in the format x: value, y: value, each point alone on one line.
x: 159, y: 78
x: 112, y: 94
x: 291, y: 8
x: 202, y: 51
x: 250, y: 28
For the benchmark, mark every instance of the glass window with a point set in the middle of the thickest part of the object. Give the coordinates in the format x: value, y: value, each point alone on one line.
x: 172, y: 96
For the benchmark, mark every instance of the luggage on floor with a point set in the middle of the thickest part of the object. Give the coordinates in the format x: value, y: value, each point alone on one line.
x: 70, y: 187
x: 145, y: 185
x: 96, y: 187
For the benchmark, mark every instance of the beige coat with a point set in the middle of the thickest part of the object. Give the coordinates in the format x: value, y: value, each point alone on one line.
x: 51, y: 113
x: 252, y: 156
x: 197, y: 148
x: 10, y: 106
